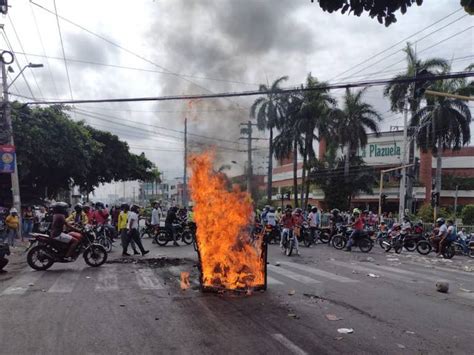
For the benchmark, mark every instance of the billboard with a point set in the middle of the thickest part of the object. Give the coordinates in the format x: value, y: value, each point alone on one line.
x: 7, y: 158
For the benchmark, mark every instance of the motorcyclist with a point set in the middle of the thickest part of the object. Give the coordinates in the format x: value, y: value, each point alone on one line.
x: 406, y: 225
x: 78, y: 217
x: 59, y: 210
x: 288, y: 222
x: 438, y: 239
x: 358, y: 227
x: 278, y: 214
x: 101, y: 214
x: 264, y: 214
x: 172, y: 218
x: 335, y: 220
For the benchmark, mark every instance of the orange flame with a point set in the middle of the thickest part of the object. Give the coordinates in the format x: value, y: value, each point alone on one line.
x: 230, y: 259
x: 184, y: 280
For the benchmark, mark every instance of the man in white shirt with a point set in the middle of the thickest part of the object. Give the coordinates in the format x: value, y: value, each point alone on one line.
x: 155, y: 215
x: 132, y: 223
x: 314, y: 220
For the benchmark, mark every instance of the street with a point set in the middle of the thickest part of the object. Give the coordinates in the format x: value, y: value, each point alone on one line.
x: 138, y: 307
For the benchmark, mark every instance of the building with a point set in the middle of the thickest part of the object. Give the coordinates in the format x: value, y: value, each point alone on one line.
x: 387, y: 151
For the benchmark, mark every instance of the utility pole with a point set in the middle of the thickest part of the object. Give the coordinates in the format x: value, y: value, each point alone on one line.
x: 401, y: 208
x: 8, y: 119
x: 246, y: 130
x: 456, y: 202
x: 382, y: 172
x: 185, y: 175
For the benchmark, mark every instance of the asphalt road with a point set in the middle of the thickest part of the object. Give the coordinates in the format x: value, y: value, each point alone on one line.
x: 139, y: 308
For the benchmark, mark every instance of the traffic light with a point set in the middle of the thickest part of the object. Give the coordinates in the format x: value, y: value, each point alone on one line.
x: 434, y: 199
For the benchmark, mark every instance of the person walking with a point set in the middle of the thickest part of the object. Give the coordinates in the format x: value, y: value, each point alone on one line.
x: 122, y: 228
x: 13, y: 223
x: 132, y: 222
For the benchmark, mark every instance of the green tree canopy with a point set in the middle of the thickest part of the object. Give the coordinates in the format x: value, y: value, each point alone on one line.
x: 54, y: 152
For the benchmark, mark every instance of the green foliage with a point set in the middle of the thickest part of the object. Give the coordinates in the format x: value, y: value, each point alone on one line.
x: 425, y: 213
x: 467, y: 215
x: 450, y: 182
x: 55, y: 152
x: 384, y: 10
x: 328, y: 174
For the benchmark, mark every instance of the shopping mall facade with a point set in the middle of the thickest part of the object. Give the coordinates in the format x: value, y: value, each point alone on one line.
x: 387, y: 151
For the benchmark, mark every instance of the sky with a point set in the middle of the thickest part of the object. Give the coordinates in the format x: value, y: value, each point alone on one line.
x: 172, y: 47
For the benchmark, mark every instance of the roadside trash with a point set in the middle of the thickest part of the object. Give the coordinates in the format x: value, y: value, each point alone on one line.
x: 332, y: 317
x: 291, y: 292
x: 184, y: 280
x: 354, y: 272
x: 293, y: 315
x: 345, y: 330
x: 409, y: 332
x: 465, y: 290
x: 368, y: 259
x: 122, y: 305
x: 338, y: 338
x: 31, y: 284
x: 88, y: 277
x: 277, y: 263
x: 442, y: 286
x: 373, y: 275
x: 401, y: 346
x: 393, y: 259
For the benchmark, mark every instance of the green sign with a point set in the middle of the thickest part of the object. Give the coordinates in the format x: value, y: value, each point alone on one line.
x: 376, y: 150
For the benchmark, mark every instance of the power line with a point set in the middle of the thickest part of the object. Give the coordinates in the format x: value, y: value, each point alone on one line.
x: 27, y: 60
x: 376, y: 82
x: 62, y: 48
x: 394, y: 45
x: 9, y: 46
x: 44, y: 51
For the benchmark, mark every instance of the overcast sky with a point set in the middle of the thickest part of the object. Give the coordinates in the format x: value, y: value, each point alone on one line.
x: 202, y: 46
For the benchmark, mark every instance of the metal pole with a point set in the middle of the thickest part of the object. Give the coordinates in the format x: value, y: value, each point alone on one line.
x: 249, y: 158
x: 14, y: 176
x: 401, y: 208
x: 380, y: 196
x: 456, y: 202
x: 185, y: 175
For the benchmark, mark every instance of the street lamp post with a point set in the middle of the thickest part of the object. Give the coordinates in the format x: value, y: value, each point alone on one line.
x: 7, y: 113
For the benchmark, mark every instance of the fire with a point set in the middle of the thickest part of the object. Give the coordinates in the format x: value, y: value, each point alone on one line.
x: 184, y: 280
x: 229, y: 258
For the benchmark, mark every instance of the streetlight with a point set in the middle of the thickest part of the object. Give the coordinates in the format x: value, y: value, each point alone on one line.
x: 8, y: 119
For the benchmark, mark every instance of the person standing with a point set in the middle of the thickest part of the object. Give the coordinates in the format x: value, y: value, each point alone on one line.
x: 122, y: 228
x: 13, y: 223
x: 4, y: 250
x: 171, y: 219
x: 132, y: 223
x: 314, y: 222
x: 155, y: 216
x: 28, y: 217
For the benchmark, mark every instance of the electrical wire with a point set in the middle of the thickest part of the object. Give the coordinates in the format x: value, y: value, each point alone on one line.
x: 62, y: 49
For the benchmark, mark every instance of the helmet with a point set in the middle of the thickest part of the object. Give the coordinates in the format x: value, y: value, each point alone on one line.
x: 13, y: 210
x: 60, y: 208
x: 298, y: 210
x: 440, y: 221
x: 272, y: 209
x: 355, y: 211
x: 99, y: 205
x: 135, y: 208
x: 396, y: 226
x: 78, y: 208
x: 279, y: 209
x: 267, y: 207
x: 406, y: 219
x: 314, y: 209
x: 335, y: 211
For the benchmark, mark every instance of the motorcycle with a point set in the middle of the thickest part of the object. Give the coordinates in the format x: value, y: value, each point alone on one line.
x: 183, y: 233
x: 289, y: 243
x: 44, y: 251
x: 470, y: 246
x: 306, y: 235
x: 272, y: 234
x: 364, y: 242
x: 103, y: 236
x: 424, y: 247
x: 148, y: 231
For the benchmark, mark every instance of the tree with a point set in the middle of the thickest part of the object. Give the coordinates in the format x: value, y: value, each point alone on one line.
x: 290, y: 140
x: 384, y: 10
x: 444, y: 123
x: 328, y: 174
x: 313, y: 116
x: 467, y: 215
x: 55, y: 153
x: 268, y: 111
x: 351, y: 124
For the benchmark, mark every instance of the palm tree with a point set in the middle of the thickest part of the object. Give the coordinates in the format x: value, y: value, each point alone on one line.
x: 444, y: 123
x: 352, y: 122
x: 267, y: 110
x: 313, y: 116
x: 289, y: 140
x: 400, y: 93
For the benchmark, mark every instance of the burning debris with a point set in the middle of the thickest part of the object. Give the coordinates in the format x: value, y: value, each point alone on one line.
x: 230, y: 258
x: 184, y: 280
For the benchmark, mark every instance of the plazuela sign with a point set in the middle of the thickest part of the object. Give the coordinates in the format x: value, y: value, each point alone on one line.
x: 380, y: 150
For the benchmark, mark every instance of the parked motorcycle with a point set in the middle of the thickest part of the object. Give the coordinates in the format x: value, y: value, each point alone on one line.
x: 364, y: 242
x: 148, y: 231
x: 44, y: 251
x: 424, y: 247
x: 183, y: 233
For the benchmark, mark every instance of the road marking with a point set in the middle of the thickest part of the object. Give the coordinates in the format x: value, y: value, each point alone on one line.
x: 65, y: 282
x: 318, y: 272
x: 369, y: 269
x: 21, y: 285
x: 293, y: 275
x: 468, y: 295
x: 458, y: 275
x: 289, y: 344
x: 107, y: 279
x: 406, y: 272
x: 431, y: 267
x: 272, y: 281
x: 147, y: 280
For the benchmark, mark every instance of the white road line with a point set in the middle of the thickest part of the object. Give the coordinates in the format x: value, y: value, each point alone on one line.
x: 289, y: 344
x: 147, y: 280
x: 107, y: 279
x: 66, y: 281
x: 406, y: 272
x: 22, y: 284
x: 272, y: 281
x: 318, y: 272
x: 371, y: 270
x: 292, y: 275
x: 431, y: 267
x: 468, y: 295
x: 437, y: 271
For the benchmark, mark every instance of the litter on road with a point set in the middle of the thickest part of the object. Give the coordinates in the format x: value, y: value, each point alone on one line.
x: 345, y: 330
x: 373, y: 275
